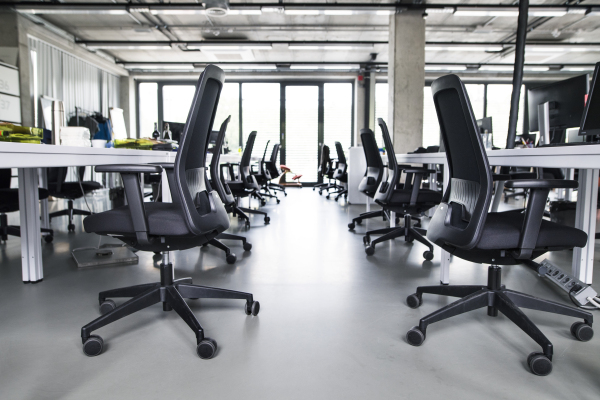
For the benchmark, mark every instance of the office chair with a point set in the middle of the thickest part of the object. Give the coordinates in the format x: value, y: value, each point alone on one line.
x: 407, y: 200
x: 57, y: 187
x: 340, y: 174
x: 9, y: 202
x: 195, y: 217
x: 373, y: 176
x: 274, y: 169
x: 463, y: 226
x: 263, y: 177
x: 245, y: 183
x: 325, y: 170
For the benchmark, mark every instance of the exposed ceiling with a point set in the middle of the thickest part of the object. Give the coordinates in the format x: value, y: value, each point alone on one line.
x: 473, y: 36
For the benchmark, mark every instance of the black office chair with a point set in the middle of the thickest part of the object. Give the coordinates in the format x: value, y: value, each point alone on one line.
x: 341, y: 173
x: 195, y: 217
x: 263, y: 176
x: 9, y: 202
x: 373, y: 176
x: 274, y: 169
x: 244, y: 183
x: 325, y: 170
x: 462, y: 226
x: 57, y: 187
x: 407, y: 200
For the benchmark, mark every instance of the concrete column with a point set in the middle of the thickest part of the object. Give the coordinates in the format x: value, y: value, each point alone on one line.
x: 406, y: 77
x: 128, y: 104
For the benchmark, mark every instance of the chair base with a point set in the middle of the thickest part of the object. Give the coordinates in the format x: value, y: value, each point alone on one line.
x: 410, y: 233
x: 172, y: 294
x: 70, y: 212
x: 15, y: 230
x: 496, y: 298
x: 229, y: 256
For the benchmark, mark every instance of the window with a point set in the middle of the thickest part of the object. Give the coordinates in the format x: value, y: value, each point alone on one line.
x: 229, y: 104
x: 498, y: 107
x: 260, y: 112
x: 431, y: 126
x: 177, y: 100
x: 302, y: 130
x: 381, y: 109
x: 148, y: 106
x: 476, y: 94
x: 338, y: 115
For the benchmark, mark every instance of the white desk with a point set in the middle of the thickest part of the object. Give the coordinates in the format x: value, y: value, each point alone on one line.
x: 584, y: 158
x: 28, y: 157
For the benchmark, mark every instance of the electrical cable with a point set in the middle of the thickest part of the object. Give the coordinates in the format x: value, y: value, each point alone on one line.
x: 584, y: 307
x: 83, y: 193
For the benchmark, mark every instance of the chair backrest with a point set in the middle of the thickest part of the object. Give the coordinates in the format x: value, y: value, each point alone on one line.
x: 245, y: 172
x: 271, y: 164
x: 264, y: 171
x: 386, y: 188
x: 218, y: 183
x: 374, y: 173
x: 325, y: 159
x: 342, y: 165
x: 459, y: 220
x: 203, y: 210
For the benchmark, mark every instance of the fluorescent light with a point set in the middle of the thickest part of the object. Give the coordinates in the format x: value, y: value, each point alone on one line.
x: 547, y: 12
x: 559, y: 49
x: 537, y: 69
x: 251, y: 67
x: 485, y: 12
x: 272, y: 9
x: 321, y: 66
x: 160, y: 66
x: 581, y: 68
x: 444, y: 10
x: 332, y: 46
x: 338, y: 12
x: 497, y: 68
x: 302, y: 12
x: 178, y: 11
x: 451, y: 47
x: 127, y: 47
x: 256, y: 11
x: 139, y: 9
x: 384, y: 12
x: 73, y: 9
x: 445, y: 68
x: 594, y: 11
x: 221, y: 47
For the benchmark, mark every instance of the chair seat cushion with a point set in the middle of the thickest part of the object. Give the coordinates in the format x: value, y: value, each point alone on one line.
x: 402, y: 196
x: 72, y: 190
x: 9, y: 199
x: 502, y: 230
x: 164, y: 219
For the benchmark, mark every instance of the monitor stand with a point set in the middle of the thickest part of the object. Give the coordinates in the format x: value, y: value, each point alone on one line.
x: 544, y: 123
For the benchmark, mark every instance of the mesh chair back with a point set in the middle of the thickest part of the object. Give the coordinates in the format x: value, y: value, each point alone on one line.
x: 459, y: 220
x: 374, y: 173
x: 386, y: 188
x: 245, y: 173
x: 218, y: 183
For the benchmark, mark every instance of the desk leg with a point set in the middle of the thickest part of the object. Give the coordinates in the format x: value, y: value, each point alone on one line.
x: 569, y: 174
x: 585, y: 219
x: 43, y: 182
x: 31, y: 245
x: 499, y: 190
x: 443, y: 254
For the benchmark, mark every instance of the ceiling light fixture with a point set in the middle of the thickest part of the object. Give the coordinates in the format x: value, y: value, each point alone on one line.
x: 224, y: 46
x: 332, y: 46
x: 444, y: 10
x: 463, y: 47
x: 159, y: 66
x: 325, y: 67
x: 445, y: 67
x: 302, y: 12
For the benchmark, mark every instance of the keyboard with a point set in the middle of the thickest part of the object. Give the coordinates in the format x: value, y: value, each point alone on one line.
x: 567, y: 144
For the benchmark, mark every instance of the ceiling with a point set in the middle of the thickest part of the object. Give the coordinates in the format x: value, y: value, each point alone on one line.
x: 149, y: 36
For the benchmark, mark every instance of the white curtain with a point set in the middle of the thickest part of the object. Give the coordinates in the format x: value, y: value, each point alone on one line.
x: 77, y: 83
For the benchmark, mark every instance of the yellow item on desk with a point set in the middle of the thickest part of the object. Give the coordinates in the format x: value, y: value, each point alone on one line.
x: 21, y: 134
x: 137, y: 144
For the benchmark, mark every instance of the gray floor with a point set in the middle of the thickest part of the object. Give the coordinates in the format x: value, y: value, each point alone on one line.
x: 331, y: 326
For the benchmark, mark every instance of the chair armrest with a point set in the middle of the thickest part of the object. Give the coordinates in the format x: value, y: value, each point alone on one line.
x: 542, y: 184
x: 130, y: 168
x: 417, y: 170
x: 164, y: 165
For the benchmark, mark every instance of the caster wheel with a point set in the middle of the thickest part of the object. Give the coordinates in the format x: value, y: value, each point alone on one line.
x: 539, y: 364
x: 415, y: 337
x: 582, y: 331
x: 409, y: 239
x: 71, y: 228
x: 252, y: 308
x: 337, y: 198
x: 230, y: 258
x: 327, y: 197
x: 48, y: 238
x: 247, y: 224
x: 278, y: 201
x: 359, y: 221
x: 207, y: 348
x: 285, y: 194
x: 417, y: 225
x: 397, y: 221
x: 414, y: 301
x: 320, y: 193
x: 370, y: 250
x: 204, y: 244
x: 247, y: 246
x: 107, y: 306
x: 351, y: 226
x: 428, y: 255
x: 267, y: 220
x: 366, y: 240
x: 93, y: 346
x: 313, y: 189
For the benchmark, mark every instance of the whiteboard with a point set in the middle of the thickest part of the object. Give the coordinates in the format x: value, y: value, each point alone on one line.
x: 10, y: 109
x: 118, y: 123
x: 9, y: 81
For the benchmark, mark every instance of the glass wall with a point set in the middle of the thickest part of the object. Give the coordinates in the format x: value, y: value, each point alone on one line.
x: 177, y: 100
x: 148, y: 106
x: 337, y: 115
x: 229, y: 104
x: 302, y: 130
x: 498, y: 107
x: 261, y: 113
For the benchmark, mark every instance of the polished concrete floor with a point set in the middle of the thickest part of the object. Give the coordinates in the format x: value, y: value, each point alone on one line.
x: 331, y: 326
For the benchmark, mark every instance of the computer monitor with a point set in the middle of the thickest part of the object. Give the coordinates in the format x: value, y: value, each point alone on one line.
x: 485, y: 124
x: 566, y: 103
x: 590, y: 122
x: 212, y: 139
x: 176, y: 129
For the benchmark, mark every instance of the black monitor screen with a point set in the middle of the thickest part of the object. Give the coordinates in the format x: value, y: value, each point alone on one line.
x: 212, y: 139
x: 590, y: 123
x: 176, y: 129
x: 566, y: 98
x: 485, y: 124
